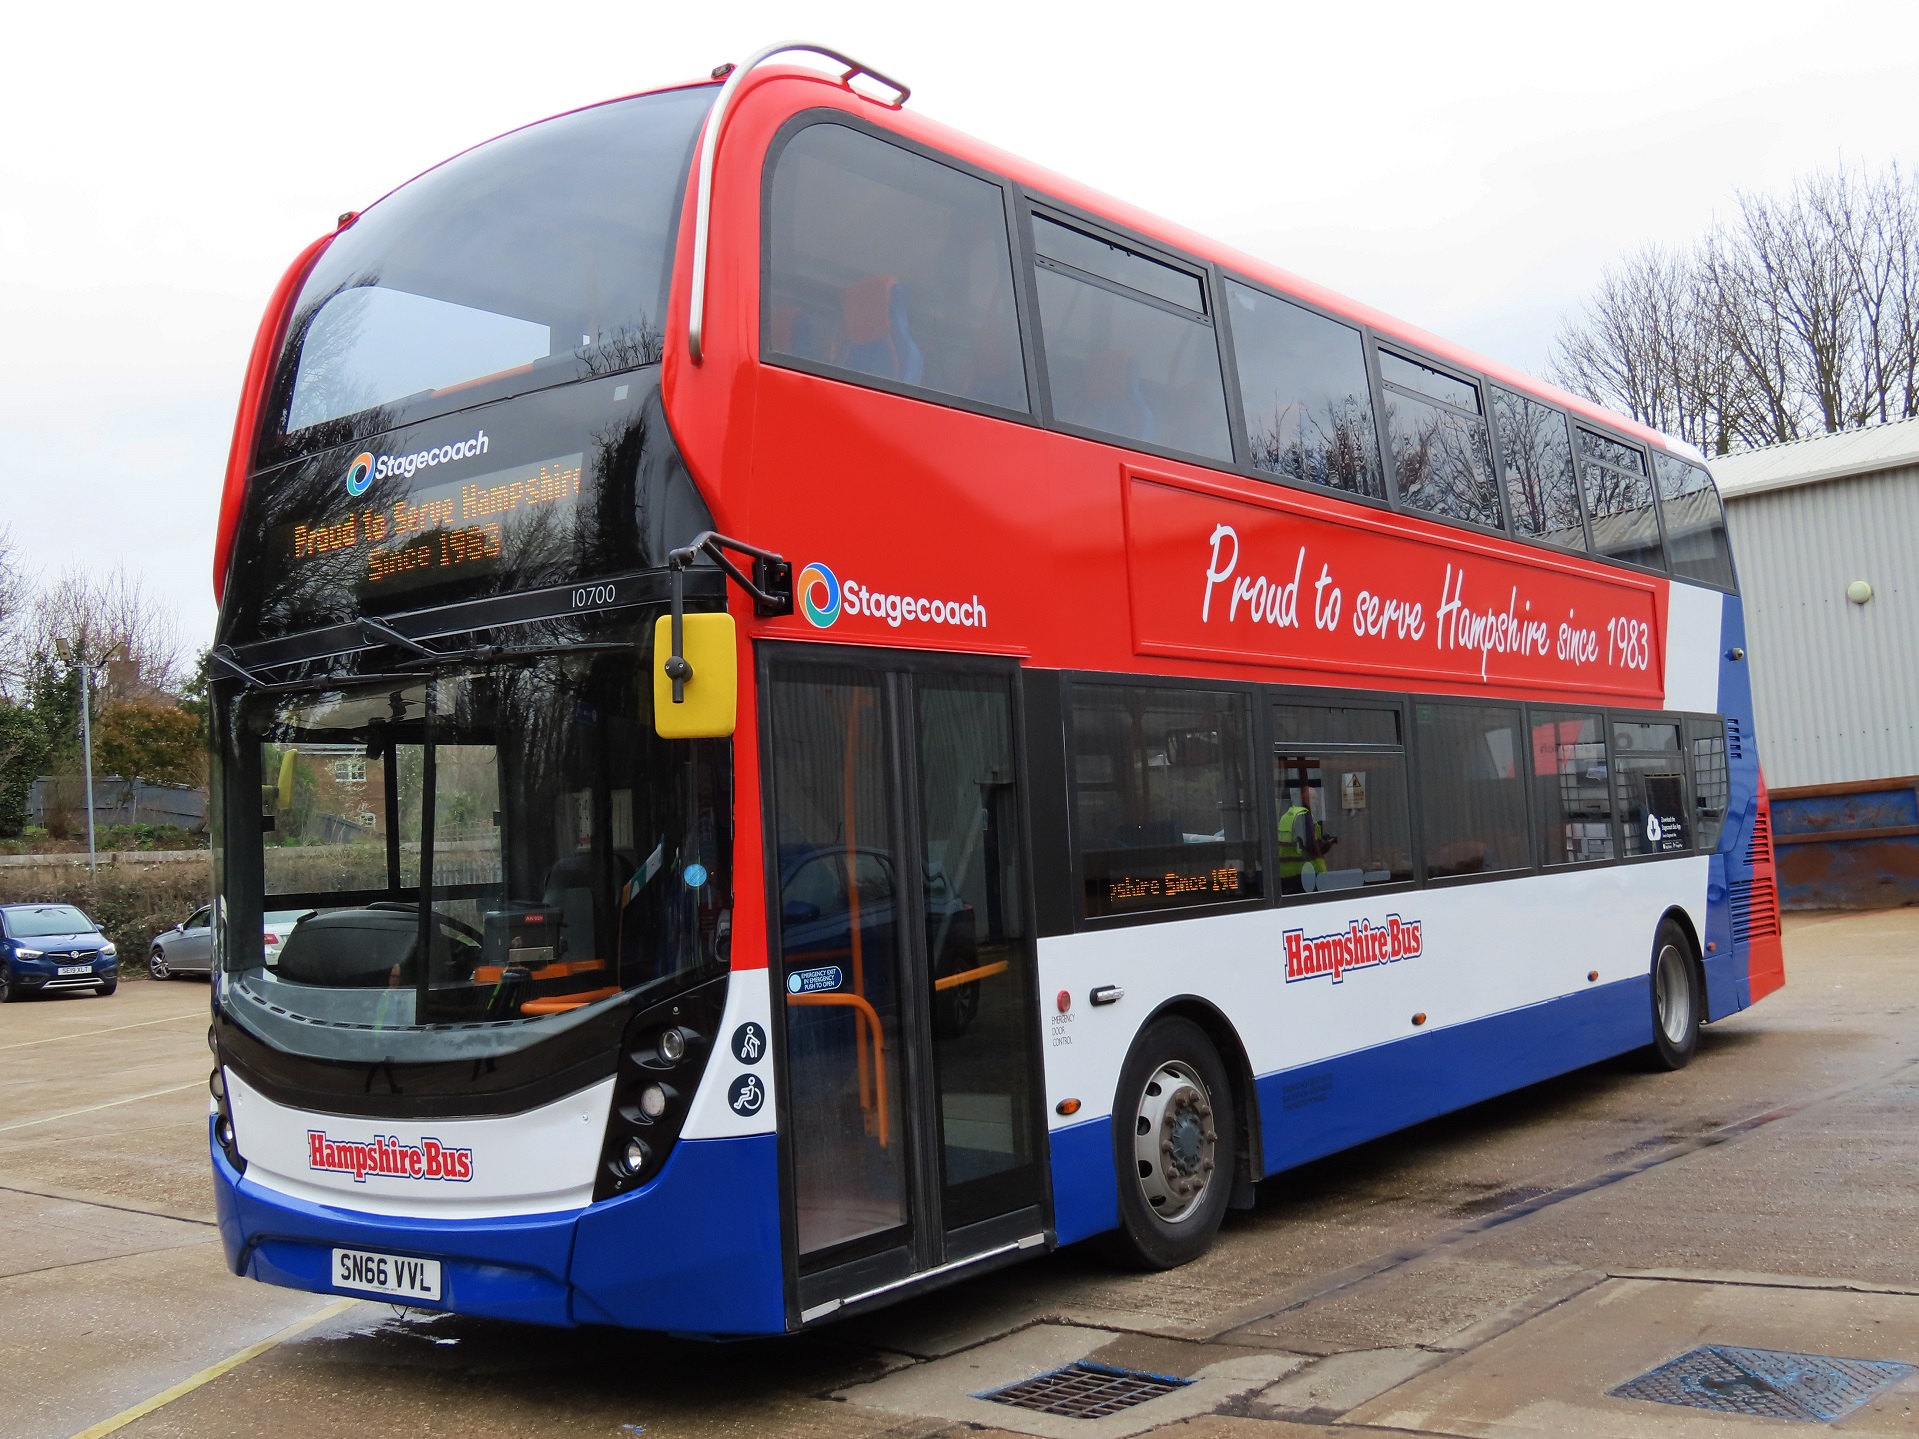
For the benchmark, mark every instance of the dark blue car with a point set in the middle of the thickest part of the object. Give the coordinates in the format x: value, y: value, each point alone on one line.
x: 46, y: 948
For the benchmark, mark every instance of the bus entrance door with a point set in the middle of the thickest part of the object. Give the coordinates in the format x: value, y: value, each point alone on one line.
x: 911, y: 1096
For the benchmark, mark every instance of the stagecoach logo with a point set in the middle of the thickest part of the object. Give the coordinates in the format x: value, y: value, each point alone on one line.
x: 824, y: 599
x: 819, y: 594
x: 1361, y: 945
x: 366, y: 467
x: 1654, y: 830
x: 388, y: 1158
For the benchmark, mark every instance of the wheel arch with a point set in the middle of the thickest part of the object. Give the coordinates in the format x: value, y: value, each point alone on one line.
x: 1248, y: 1157
x: 1680, y: 917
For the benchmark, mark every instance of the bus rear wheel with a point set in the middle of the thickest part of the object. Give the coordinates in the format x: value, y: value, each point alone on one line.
x: 1173, y: 1144
x: 1678, y: 999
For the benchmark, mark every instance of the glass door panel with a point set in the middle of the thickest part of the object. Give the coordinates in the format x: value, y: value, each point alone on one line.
x: 976, y: 953
x: 839, y: 928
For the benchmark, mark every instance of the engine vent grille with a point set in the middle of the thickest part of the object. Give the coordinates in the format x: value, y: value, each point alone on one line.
x: 1735, y: 740
x: 1759, y: 845
x: 1755, y: 909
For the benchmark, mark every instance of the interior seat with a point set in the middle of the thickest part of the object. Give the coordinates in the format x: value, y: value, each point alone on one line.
x: 876, y: 336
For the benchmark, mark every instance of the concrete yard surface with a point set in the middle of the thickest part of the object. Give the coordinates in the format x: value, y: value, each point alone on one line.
x: 1495, y: 1273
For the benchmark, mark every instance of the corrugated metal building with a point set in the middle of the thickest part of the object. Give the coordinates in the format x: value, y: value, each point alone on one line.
x: 1826, y: 536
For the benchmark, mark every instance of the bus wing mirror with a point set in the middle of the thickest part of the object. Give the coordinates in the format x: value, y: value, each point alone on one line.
x: 708, y: 680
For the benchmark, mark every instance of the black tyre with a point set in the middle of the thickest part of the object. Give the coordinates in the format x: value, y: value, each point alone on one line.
x: 108, y: 988
x: 10, y: 992
x: 1678, y: 999
x: 1173, y: 1144
x: 157, y: 964
x: 954, y: 1010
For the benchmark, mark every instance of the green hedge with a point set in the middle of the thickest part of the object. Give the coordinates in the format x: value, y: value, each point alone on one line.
x: 131, y: 903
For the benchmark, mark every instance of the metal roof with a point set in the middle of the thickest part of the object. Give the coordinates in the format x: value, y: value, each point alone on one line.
x: 1823, y: 457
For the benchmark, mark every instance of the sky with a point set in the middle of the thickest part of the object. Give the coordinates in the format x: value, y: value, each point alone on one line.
x: 1471, y: 168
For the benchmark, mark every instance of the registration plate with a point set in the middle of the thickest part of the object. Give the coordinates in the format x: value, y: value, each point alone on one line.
x: 386, y: 1274
x: 76, y: 969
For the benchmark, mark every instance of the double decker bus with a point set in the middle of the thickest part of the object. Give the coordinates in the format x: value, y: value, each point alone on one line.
x: 817, y: 709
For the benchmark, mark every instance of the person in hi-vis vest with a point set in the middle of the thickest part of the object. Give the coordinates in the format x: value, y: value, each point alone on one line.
x: 1303, y: 841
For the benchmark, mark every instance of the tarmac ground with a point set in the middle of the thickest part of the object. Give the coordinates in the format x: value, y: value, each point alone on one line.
x: 1495, y: 1273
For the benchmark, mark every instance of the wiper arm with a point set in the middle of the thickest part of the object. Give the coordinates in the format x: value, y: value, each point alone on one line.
x: 386, y: 634
x: 223, y: 657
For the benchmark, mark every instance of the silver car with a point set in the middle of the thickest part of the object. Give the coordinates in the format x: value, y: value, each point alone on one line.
x: 187, y: 948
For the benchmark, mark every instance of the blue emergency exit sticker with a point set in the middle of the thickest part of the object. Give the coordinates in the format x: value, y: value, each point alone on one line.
x: 815, y: 981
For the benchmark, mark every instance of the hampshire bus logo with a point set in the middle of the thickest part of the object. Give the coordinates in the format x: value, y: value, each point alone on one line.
x: 388, y: 1158
x: 359, y: 474
x: 819, y: 591
x: 1361, y: 945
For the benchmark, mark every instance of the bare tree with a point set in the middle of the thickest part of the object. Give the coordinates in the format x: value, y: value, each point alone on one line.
x: 1800, y: 315
x: 108, y: 614
x: 16, y: 604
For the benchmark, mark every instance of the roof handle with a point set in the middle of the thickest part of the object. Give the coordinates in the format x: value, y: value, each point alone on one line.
x: 709, y: 146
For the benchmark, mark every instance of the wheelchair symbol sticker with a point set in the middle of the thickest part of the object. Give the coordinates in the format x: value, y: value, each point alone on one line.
x: 747, y: 1094
x: 749, y: 1043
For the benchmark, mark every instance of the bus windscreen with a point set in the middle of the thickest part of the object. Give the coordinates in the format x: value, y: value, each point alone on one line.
x: 531, y: 259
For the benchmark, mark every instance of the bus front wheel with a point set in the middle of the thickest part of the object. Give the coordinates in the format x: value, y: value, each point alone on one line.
x: 1173, y: 1144
x: 1678, y: 999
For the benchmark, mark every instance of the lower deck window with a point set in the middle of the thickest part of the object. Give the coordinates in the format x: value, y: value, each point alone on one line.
x: 1342, y: 805
x: 1166, y: 814
x: 1650, y: 776
x: 1711, y: 782
x: 1472, y: 793
x: 1572, y: 787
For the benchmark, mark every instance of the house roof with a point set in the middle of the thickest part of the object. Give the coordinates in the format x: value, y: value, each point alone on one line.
x: 1823, y: 457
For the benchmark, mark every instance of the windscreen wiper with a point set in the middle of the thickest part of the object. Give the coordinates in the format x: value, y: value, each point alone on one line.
x: 474, y: 654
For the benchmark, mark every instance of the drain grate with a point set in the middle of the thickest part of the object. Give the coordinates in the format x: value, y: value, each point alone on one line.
x: 1766, y: 1382
x: 1085, y: 1390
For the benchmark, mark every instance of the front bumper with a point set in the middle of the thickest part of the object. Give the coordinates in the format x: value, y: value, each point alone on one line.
x: 696, y: 1250
x: 44, y: 974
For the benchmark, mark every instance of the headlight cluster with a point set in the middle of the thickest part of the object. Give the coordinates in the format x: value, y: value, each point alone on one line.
x: 662, y: 1056
x: 222, y: 1112
x: 22, y: 953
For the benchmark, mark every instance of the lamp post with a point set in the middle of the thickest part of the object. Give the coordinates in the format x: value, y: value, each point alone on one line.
x: 76, y: 657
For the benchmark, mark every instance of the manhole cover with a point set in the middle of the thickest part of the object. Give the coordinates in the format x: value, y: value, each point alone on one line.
x: 1808, y: 1387
x: 1085, y: 1390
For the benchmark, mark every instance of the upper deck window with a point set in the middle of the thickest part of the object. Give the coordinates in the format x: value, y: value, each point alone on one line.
x: 887, y: 264
x: 531, y: 259
x: 1619, y: 500
x: 1439, y: 442
x: 1536, y: 452
x: 1302, y: 382
x: 1130, y: 349
x: 1696, y: 541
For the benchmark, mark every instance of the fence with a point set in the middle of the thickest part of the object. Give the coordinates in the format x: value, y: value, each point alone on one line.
x: 115, y: 801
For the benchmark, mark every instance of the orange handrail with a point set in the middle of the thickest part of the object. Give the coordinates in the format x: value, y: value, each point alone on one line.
x: 559, y: 969
x: 560, y: 1003
x: 967, y: 976
x: 863, y: 1014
